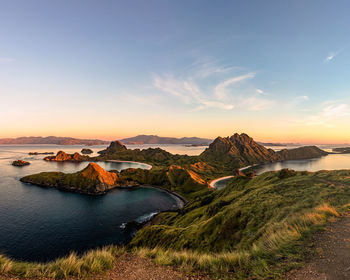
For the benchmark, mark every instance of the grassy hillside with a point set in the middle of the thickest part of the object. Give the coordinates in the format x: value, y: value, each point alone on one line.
x: 249, y: 227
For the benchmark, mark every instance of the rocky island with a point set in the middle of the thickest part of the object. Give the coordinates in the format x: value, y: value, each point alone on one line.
x: 20, y: 163
x: 40, y: 153
x: 86, y: 151
x: 93, y: 180
x: 62, y: 156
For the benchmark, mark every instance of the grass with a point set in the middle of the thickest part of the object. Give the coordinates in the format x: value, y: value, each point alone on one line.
x: 254, y: 228
x: 264, y: 222
x: 95, y: 261
x: 254, y: 262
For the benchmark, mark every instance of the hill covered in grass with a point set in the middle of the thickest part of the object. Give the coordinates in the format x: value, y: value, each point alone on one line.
x: 249, y: 227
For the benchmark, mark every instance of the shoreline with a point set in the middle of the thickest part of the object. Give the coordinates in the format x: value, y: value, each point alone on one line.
x: 213, y: 182
x: 149, y: 167
x: 180, y: 197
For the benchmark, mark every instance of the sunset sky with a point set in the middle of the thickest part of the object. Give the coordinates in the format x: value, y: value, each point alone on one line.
x: 277, y: 70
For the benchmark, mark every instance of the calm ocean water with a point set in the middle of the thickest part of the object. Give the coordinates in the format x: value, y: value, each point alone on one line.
x: 329, y: 162
x: 40, y: 224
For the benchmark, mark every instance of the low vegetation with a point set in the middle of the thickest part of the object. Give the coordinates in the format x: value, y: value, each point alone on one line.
x: 95, y: 261
x: 254, y: 228
x: 251, y: 227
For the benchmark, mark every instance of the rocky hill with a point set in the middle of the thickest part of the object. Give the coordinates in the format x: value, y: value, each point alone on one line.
x: 306, y: 152
x: 176, y: 178
x: 114, y: 147
x: 237, y: 150
x: 91, y: 180
x: 62, y: 156
x: 53, y: 140
x: 154, y: 139
x: 241, y: 150
x: 118, y: 151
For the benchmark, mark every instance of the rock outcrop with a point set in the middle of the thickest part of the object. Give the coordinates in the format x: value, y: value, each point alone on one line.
x: 62, y: 156
x: 20, y: 163
x: 86, y: 151
x: 92, y: 180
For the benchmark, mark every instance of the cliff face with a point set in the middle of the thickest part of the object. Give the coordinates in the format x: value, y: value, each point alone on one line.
x: 241, y: 150
x: 91, y: 180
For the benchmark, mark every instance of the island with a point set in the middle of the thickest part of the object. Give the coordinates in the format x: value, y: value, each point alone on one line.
x: 20, y: 163
x: 86, y: 151
x: 40, y: 153
x: 93, y: 180
x: 343, y: 150
x: 62, y: 156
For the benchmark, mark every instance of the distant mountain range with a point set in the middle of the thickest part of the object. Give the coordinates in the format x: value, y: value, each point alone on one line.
x: 268, y: 144
x: 154, y: 139
x: 140, y: 139
x: 53, y: 140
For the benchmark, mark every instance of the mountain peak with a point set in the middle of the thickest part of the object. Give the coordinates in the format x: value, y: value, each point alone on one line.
x: 96, y: 173
x: 238, y: 149
x: 115, y: 146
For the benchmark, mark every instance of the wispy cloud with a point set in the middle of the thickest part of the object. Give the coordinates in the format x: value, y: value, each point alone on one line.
x: 328, y: 114
x: 188, y: 92
x: 221, y: 91
x: 218, y: 96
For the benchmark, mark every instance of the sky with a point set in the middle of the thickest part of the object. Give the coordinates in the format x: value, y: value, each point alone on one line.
x: 277, y: 70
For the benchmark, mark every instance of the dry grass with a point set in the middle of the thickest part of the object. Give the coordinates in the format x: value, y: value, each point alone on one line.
x: 253, y: 261
x: 95, y: 261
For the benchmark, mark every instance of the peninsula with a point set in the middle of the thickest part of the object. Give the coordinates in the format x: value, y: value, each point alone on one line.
x: 93, y: 180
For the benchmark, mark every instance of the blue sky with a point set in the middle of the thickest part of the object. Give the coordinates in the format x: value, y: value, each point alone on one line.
x: 277, y: 70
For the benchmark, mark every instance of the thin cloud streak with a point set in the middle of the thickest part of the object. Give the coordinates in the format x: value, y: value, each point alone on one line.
x: 188, y: 92
x: 220, y: 90
x: 328, y: 114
